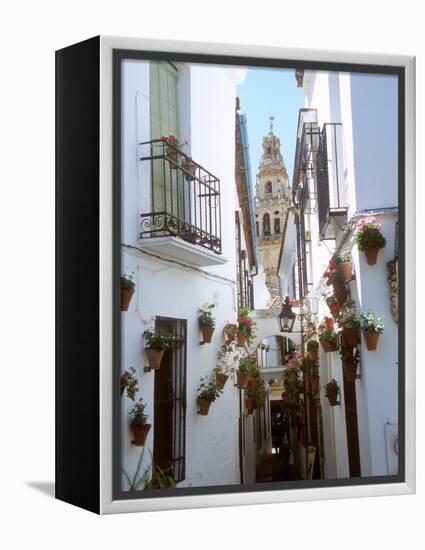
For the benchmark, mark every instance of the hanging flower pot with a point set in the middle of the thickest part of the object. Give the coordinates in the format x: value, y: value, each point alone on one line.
x: 154, y: 357
x: 241, y: 340
x: 127, y: 291
x: 371, y: 255
x: 249, y: 404
x: 350, y: 369
x: 230, y: 331
x: 329, y: 345
x: 341, y: 294
x: 371, y: 339
x: 221, y: 379
x: 333, y: 398
x: 140, y: 434
x: 242, y: 379
x: 203, y: 406
x: 351, y: 336
x: 345, y: 270
x: 207, y: 334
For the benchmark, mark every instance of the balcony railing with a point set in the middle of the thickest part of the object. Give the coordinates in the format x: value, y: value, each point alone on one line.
x: 330, y: 177
x: 185, y: 198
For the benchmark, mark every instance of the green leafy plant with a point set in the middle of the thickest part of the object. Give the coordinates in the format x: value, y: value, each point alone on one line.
x: 326, y: 330
x: 336, y: 279
x: 348, y: 317
x: 257, y: 389
x: 137, y: 481
x: 127, y: 282
x: 227, y: 358
x: 343, y: 257
x: 247, y: 364
x: 369, y: 234
x: 369, y: 322
x: 140, y: 418
x: 129, y: 382
x: 205, y: 316
x: 246, y: 325
x: 208, y: 389
x: 158, y: 339
x: 153, y: 477
x: 312, y: 345
x: 331, y: 387
x: 332, y: 301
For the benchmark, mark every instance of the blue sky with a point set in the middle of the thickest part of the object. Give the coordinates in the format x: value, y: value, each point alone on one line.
x: 265, y: 93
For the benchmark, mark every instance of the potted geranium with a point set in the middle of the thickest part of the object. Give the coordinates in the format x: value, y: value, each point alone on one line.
x: 340, y: 290
x: 372, y: 326
x: 331, y: 392
x: 208, y: 391
x: 173, y: 150
x: 227, y: 357
x: 315, y: 380
x: 129, y: 382
x: 206, y: 321
x: 157, y: 342
x: 344, y: 265
x: 333, y: 305
x: 350, y: 361
x: 369, y: 238
x: 246, y: 327
x: 246, y: 366
x: 349, y: 322
x: 127, y: 290
x: 139, y: 425
x: 327, y: 335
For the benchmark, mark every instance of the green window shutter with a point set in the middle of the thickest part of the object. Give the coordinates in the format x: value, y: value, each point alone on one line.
x: 167, y: 189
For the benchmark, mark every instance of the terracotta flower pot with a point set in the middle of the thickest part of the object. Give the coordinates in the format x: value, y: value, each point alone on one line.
x: 351, y: 336
x: 174, y: 156
x: 154, y: 357
x: 350, y: 369
x: 190, y: 168
x: 203, y: 406
x: 230, y: 331
x: 329, y: 346
x: 332, y: 397
x: 315, y: 385
x: 242, y: 379
x: 371, y: 255
x: 241, y: 340
x: 140, y: 434
x: 371, y: 339
x: 207, y: 333
x: 221, y: 379
x: 249, y: 404
x: 126, y: 296
x: 345, y: 271
x: 313, y: 355
x: 341, y: 294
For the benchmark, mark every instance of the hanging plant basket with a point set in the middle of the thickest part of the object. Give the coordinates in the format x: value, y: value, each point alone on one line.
x: 341, y: 294
x: 351, y: 336
x: 154, y: 357
x: 221, y: 379
x: 315, y: 385
x: 333, y: 398
x: 140, y: 434
x: 371, y: 339
x: 241, y: 340
x: 350, y: 369
x: 371, y: 255
x: 126, y: 296
x: 242, y: 379
x: 345, y: 270
x: 329, y: 345
x: 203, y: 406
x: 207, y: 333
x: 249, y: 404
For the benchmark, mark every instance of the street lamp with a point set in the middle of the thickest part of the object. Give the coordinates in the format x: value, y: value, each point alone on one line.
x: 286, y: 317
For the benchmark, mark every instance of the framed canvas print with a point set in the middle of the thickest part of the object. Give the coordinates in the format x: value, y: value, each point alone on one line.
x: 235, y: 307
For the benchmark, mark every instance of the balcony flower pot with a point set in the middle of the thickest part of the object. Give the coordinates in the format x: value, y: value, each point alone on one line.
x: 350, y: 369
x: 140, y: 433
x: 203, y: 406
x: 190, y: 169
x: 207, y: 333
x: 241, y: 340
x: 351, y: 336
x: 154, y: 357
x: 221, y: 379
x: 371, y: 339
x: 345, y: 270
x: 242, y: 379
x: 250, y: 404
x: 371, y: 255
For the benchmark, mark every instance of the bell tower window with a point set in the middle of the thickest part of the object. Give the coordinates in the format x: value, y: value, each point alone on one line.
x: 269, y: 189
x: 266, y: 224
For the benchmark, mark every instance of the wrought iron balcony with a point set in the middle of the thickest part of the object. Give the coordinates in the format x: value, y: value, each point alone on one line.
x: 185, y: 198
x: 330, y: 177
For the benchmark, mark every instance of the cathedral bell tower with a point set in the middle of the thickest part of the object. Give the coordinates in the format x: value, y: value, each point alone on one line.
x: 272, y: 201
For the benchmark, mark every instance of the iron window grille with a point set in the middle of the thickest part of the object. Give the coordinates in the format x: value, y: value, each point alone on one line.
x: 185, y: 198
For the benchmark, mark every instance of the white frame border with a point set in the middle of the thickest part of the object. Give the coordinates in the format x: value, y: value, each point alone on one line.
x: 107, y: 504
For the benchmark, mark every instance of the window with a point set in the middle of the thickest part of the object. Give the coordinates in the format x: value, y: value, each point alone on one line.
x: 266, y: 224
x: 277, y: 226
x: 170, y: 402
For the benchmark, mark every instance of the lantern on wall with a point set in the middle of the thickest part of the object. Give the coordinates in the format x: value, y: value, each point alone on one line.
x: 286, y: 317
